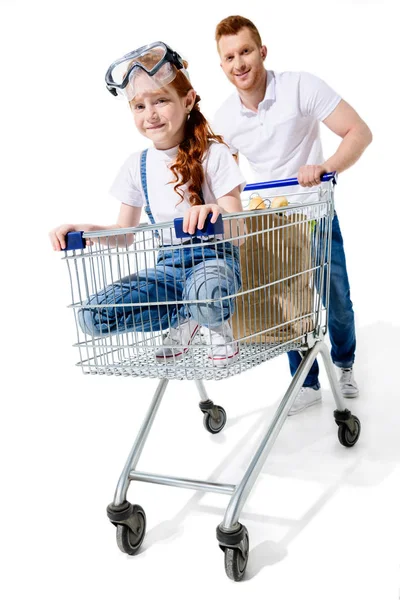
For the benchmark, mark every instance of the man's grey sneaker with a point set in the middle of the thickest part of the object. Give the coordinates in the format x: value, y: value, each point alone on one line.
x: 347, y: 383
x: 306, y: 397
x: 177, y: 341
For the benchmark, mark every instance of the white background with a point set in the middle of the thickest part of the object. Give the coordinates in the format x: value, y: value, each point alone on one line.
x: 323, y: 520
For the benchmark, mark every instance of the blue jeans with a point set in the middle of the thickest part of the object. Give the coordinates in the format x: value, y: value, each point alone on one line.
x: 341, y: 316
x: 208, y: 273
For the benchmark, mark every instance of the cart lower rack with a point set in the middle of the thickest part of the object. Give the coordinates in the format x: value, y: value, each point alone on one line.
x: 150, y: 303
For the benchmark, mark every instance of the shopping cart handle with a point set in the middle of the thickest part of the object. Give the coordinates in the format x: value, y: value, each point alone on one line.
x: 209, y: 228
x: 264, y: 185
x: 74, y: 241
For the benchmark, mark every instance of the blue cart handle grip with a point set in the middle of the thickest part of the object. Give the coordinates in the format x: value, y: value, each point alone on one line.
x: 209, y: 229
x: 74, y: 241
x: 265, y: 185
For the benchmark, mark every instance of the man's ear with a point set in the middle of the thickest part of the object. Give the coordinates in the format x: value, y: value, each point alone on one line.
x: 263, y: 52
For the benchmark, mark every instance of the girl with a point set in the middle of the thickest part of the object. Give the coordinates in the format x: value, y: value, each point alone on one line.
x: 189, y: 172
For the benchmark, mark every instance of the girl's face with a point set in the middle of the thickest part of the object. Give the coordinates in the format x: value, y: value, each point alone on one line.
x: 160, y: 115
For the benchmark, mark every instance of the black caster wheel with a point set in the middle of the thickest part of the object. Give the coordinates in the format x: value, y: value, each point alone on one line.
x: 131, y: 536
x: 236, y: 558
x: 215, y: 425
x: 346, y: 437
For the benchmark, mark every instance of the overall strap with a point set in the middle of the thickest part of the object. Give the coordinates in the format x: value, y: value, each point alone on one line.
x: 143, y: 177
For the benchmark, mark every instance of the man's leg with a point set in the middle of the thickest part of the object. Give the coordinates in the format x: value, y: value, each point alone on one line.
x: 341, y: 315
x: 311, y: 381
x: 341, y: 325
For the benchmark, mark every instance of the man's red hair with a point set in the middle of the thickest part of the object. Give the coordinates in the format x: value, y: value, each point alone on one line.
x: 232, y: 26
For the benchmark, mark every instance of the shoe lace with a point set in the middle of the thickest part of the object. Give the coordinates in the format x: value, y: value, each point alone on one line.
x: 173, y: 336
x: 347, y: 375
x: 217, y: 339
x: 178, y: 335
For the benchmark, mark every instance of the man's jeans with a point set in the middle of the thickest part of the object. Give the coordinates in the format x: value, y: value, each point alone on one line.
x: 341, y: 316
x: 208, y: 273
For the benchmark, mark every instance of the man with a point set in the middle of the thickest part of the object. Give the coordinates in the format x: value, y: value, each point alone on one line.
x: 273, y: 120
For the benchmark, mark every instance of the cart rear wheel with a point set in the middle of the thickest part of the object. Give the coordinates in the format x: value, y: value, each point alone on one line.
x: 215, y: 425
x: 130, y: 538
x: 346, y: 438
x: 236, y: 558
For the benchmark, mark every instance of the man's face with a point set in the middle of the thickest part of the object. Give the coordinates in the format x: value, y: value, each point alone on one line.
x: 242, y: 59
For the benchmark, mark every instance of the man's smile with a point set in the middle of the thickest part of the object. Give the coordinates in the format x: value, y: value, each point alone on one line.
x: 242, y: 74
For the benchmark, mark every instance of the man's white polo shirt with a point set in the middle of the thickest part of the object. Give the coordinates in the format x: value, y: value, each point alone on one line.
x: 284, y: 134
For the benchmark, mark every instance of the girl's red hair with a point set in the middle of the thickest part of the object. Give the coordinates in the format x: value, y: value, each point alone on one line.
x: 188, y: 167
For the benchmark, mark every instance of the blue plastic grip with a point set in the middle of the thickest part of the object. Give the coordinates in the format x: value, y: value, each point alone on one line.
x: 264, y: 185
x: 74, y: 241
x: 209, y: 228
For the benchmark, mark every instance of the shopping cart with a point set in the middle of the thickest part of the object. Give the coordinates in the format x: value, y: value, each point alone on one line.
x: 279, y: 303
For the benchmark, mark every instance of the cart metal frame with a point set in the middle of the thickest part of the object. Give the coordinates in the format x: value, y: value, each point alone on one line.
x: 232, y: 536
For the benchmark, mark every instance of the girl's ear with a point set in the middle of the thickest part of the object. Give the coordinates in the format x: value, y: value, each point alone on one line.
x: 190, y: 100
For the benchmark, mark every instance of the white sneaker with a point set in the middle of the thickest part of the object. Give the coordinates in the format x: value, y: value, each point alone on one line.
x: 347, y: 383
x: 306, y: 397
x: 177, y: 341
x: 224, y: 350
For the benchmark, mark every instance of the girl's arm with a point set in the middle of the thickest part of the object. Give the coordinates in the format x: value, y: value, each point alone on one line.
x: 230, y: 203
x: 129, y: 216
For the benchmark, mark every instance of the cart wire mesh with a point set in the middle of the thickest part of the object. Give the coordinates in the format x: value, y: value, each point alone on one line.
x: 132, y: 286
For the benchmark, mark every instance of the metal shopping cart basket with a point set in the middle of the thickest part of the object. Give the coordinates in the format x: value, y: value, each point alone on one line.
x: 279, y: 301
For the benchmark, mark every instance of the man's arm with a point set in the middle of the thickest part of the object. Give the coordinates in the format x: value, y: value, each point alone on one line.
x: 356, y: 136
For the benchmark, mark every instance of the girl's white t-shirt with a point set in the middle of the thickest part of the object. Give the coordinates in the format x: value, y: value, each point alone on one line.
x: 221, y: 171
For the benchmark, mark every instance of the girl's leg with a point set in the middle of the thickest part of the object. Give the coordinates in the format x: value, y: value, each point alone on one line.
x: 214, y: 282
x: 151, y: 285
x: 211, y: 282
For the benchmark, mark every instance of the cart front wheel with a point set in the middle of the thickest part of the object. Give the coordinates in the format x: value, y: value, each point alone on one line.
x: 236, y: 558
x: 346, y: 437
x: 215, y: 425
x: 130, y: 538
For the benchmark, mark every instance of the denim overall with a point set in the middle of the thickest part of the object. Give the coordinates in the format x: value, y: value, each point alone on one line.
x: 188, y: 273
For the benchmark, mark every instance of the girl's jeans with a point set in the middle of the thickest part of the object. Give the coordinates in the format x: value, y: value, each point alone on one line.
x: 341, y: 316
x: 181, y: 275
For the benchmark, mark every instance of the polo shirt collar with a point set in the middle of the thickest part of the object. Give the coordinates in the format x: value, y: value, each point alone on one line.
x: 268, y: 99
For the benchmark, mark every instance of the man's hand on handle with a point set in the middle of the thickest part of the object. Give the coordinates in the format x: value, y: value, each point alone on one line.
x: 310, y: 175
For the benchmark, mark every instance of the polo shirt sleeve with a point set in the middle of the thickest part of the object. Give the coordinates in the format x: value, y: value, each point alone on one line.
x: 316, y: 98
x: 222, y: 171
x: 221, y: 125
x: 127, y: 187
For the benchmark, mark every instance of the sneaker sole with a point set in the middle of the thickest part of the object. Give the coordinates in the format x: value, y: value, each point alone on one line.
x: 171, y: 358
x: 296, y: 411
x: 350, y: 395
x: 225, y: 360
